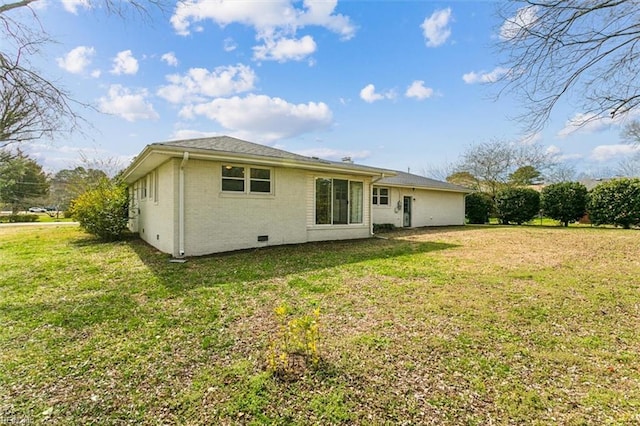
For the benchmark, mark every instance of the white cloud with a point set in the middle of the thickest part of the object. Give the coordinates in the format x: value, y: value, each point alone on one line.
x: 263, y: 117
x: 96, y: 73
x: 586, y: 123
x: 199, y: 82
x: 524, y: 19
x: 124, y: 63
x: 368, y: 94
x: 418, y: 90
x: 334, y: 154
x: 55, y: 157
x: 485, y: 77
x: 170, y: 59
x: 607, y: 152
x: 531, y: 139
x: 266, y: 17
x: 131, y: 106
x: 72, y: 6
x: 285, y: 49
x: 436, y: 28
x: 77, y: 59
x: 229, y: 45
x: 558, y: 156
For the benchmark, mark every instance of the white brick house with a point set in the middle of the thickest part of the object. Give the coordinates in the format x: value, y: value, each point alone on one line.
x: 407, y: 200
x: 209, y: 195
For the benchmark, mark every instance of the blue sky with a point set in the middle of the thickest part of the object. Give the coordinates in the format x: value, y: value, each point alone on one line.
x: 396, y: 84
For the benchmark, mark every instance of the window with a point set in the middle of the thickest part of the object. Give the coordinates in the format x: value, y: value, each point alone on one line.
x: 234, y: 179
x: 260, y: 180
x: 355, y: 205
x: 338, y: 201
x: 323, y: 201
x: 381, y: 196
x: 143, y: 188
x: 152, y: 182
x: 156, y: 184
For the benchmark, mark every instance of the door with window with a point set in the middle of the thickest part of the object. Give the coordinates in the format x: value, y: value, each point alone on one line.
x: 406, y: 208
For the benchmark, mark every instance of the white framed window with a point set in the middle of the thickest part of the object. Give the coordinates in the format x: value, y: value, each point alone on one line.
x: 260, y: 180
x: 156, y: 186
x: 143, y: 188
x: 339, y: 201
x: 246, y: 179
x: 380, y: 196
x: 232, y: 178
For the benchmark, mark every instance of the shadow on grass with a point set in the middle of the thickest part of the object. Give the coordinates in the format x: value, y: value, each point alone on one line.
x: 273, y: 262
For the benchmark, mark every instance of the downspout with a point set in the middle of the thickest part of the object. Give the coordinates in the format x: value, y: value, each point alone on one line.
x: 371, y: 203
x: 185, y: 157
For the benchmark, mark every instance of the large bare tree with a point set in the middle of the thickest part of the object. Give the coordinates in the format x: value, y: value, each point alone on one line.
x: 586, y: 51
x: 31, y: 105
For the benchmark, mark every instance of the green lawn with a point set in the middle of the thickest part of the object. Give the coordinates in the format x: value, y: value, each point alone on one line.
x: 472, y: 326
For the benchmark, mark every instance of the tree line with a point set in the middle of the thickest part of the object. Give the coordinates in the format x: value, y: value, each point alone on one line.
x: 515, y: 182
x: 89, y: 195
x: 613, y: 202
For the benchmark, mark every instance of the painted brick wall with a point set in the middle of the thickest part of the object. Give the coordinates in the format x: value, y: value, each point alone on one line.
x: 156, y: 220
x: 429, y: 208
x: 218, y: 221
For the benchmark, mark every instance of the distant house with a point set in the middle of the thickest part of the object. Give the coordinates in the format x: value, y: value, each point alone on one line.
x: 407, y: 200
x: 217, y: 194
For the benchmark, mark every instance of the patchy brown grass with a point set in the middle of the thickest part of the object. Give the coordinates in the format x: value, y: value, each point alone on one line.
x: 473, y: 325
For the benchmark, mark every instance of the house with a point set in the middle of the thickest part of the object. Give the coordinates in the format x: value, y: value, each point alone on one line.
x: 201, y: 196
x: 408, y: 200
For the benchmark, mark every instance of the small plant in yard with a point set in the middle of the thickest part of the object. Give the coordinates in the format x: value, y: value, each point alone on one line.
x: 294, y: 347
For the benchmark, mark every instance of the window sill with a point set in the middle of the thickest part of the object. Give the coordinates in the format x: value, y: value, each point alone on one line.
x: 332, y: 226
x: 254, y: 195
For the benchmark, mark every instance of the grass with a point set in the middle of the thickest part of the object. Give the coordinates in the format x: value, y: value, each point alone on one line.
x: 473, y: 325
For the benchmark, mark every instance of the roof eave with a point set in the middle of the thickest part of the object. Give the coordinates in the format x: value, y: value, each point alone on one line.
x: 136, y: 170
x: 430, y: 188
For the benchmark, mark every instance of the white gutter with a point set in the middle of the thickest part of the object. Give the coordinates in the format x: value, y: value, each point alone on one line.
x: 185, y: 157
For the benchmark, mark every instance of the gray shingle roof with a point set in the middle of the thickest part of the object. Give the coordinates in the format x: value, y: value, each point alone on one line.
x: 233, y: 145
x: 408, y: 179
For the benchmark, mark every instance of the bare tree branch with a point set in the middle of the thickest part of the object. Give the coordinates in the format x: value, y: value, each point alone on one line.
x: 33, y: 106
x: 586, y: 51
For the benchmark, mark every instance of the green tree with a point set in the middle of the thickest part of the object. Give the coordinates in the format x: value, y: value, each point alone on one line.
x: 615, y: 202
x: 103, y: 211
x: 465, y: 179
x: 478, y: 206
x: 517, y: 205
x: 525, y: 176
x: 565, y: 201
x: 21, y: 180
x: 68, y: 184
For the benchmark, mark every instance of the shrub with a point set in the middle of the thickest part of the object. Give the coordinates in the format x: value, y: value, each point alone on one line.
x: 19, y: 218
x: 565, y: 201
x: 517, y: 205
x: 102, y: 211
x: 295, y: 345
x: 616, y: 202
x: 477, y: 207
